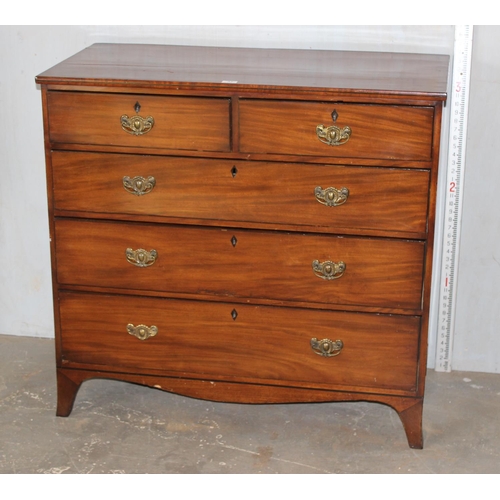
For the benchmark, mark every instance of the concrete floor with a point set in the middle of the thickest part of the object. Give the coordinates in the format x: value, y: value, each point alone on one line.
x: 121, y: 428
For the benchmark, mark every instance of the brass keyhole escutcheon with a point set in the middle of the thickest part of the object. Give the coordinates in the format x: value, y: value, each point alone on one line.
x: 333, y: 135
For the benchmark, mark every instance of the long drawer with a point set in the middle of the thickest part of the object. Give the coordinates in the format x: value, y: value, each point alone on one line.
x: 272, y: 193
x: 140, y: 121
x: 251, y: 264
x: 267, y: 344
x: 362, y: 130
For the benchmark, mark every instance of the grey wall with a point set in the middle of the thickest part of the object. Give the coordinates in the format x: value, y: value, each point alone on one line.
x: 25, y: 295
x: 477, y: 325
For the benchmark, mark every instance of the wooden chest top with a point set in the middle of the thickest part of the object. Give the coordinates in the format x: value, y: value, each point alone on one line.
x: 243, y: 69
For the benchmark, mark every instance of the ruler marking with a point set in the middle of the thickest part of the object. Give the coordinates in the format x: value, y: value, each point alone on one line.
x: 453, y: 199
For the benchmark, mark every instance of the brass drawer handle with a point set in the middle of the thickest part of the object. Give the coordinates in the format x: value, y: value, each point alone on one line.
x: 139, y: 185
x: 327, y: 347
x: 142, y: 332
x: 141, y: 257
x: 328, y: 270
x: 137, y: 125
x: 331, y: 197
x: 333, y: 135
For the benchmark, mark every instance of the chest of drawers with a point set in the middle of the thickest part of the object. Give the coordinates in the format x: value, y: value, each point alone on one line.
x: 244, y: 225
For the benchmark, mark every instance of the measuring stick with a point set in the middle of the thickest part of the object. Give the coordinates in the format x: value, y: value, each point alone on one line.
x: 453, y: 204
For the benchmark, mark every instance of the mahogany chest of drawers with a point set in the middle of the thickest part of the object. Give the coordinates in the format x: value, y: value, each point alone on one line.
x: 244, y: 225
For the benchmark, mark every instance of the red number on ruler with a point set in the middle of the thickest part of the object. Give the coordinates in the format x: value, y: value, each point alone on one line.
x: 452, y: 187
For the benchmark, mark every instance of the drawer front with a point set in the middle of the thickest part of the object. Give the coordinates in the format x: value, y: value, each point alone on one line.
x: 311, y: 195
x: 375, y: 131
x: 189, y: 123
x: 202, y: 339
x: 250, y: 264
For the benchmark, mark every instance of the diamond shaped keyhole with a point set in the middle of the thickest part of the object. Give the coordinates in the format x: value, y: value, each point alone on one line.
x: 137, y: 107
x: 234, y: 171
x: 234, y: 314
x: 234, y: 241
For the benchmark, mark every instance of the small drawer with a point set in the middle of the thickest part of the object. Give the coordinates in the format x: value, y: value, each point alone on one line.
x: 139, y: 121
x: 359, y: 131
x: 247, y: 264
x: 351, y: 198
x: 234, y: 342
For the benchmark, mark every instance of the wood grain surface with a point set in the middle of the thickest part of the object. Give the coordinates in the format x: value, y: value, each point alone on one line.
x: 380, y: 199
x: 188, y: 123
x: 260, y: 265
x: 421, y: 76
x: 263, y: 344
